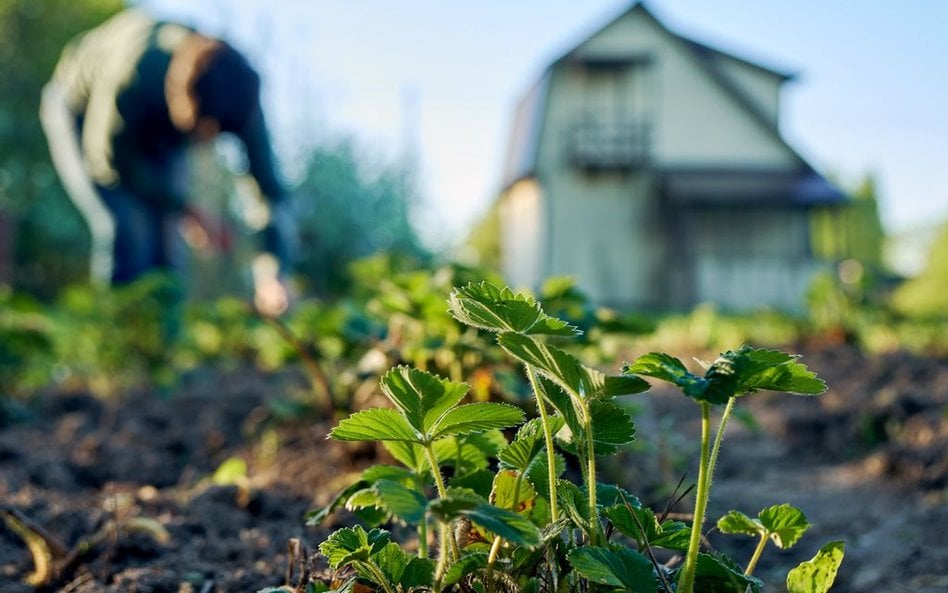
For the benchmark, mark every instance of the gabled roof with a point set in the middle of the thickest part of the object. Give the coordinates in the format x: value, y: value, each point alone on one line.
x: 525, y: 139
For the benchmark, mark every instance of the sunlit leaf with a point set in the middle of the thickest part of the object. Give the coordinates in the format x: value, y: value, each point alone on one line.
x: 374, y: 424
x: 409, y: 454
x: 512, y: 492
x: 352, y: 544
x: 817, y: 575
x: 561, y: 367
x: 738, y: 522
x: 667, y: 368
x: 733, y: 373
x: 494, y: 309
x: 528, y: 444
x: 784, y: 524
x: 391, y: 560
x: 477, y: 417
x: 422, y: 397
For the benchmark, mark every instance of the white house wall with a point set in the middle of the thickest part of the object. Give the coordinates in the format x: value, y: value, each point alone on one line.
x: 761, y: 87
x: 696, y: 120
x: 606, y: 239
x: 521, y: 234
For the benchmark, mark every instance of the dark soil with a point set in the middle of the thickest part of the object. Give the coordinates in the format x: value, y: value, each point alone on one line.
x: 867, y: 463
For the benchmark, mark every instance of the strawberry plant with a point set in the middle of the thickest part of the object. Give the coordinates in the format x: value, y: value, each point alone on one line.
x: 527, y: 525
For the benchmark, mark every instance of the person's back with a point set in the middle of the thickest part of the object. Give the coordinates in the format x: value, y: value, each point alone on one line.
x: 124, y: 102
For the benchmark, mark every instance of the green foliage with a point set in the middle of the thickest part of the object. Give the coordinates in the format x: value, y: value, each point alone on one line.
x: 49, y: 238
x: 853, y: 231
x: 817, y: 575
x: 347, y: 211
x: 26, y: 346
x: 615, y: 566
x: 926, y: 296
x: 734, y: 373
x: 522, y: 526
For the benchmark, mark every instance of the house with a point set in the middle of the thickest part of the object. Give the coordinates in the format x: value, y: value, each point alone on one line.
x: 651, y: 168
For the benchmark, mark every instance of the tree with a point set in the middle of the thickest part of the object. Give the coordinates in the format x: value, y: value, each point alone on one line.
x: 926, y: 295
x: 853, y: 231
x: 349, y: 210
x: 40, y: 231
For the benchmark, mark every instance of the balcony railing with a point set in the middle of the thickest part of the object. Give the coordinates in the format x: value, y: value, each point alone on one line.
x: 604, y: 144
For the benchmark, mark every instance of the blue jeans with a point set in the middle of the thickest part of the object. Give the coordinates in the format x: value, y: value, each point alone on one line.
x: 146, y: 237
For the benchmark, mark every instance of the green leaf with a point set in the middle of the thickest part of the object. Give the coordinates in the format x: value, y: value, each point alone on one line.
x: 615, y: 385
x: 539, y: 476
x: 465, y: 565
x: 562, y: 368
x: 402, y: 502
x: 746, y: 370
x: 817, y: 575
x: 505, y: 490
x: 733, y: 373
x: 231, y: 472
x: 410, y: 454
x: 507, y: 524
x: 615, y: 566
x: 666, y: 368
x: 480, y: 481
x: 479, y: 417
x: 612, y: 427
x: 419, y: 573
x: 422, y: 397
x: 375, y: 424
x: 391, y: 560
x: 719, y: 574
x: 784, y: 523
x: 528, y: 444
x: 485, y: 306
x: 738, y: 522
x: 374, y: 473
x: 352, y: 544
x: 641, y: 525
x: 574, y: 503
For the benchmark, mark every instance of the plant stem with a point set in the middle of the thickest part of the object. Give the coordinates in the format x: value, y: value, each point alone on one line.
x: 540, y: 396
x: 378, y: 576
x: 442, y: 493
x: 719, y: 437
x: 757, y: 552
x: 495, y: 547
x: 686, y: 580
x: 423, y: 538
x: 435, y: 470
x: 594, y: 525
x: 491, y: 559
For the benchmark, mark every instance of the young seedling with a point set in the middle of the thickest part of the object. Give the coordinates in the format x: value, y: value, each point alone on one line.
x: 581, y: 395
x: 426, y: 411
x: 522, y: 527
x: 783, y: 524
x: 735, y: 373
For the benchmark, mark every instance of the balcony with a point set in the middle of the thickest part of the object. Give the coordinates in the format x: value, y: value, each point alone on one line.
x: 610, y: 144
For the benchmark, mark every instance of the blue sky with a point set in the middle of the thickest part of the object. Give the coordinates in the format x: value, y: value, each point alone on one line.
x: 443, y: 77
